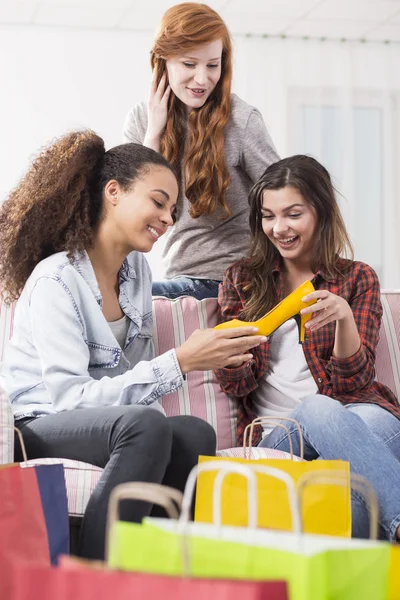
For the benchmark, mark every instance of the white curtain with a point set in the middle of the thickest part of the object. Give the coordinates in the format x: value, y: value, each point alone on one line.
x: 340, y: 102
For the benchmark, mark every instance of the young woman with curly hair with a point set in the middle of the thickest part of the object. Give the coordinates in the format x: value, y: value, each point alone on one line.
x: 218, y: 144
x: 80, y: 368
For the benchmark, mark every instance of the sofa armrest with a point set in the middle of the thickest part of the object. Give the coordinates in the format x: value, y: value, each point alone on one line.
x: 6, y: 428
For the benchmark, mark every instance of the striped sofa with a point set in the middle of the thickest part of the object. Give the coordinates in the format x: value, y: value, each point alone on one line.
x: 201, y: 395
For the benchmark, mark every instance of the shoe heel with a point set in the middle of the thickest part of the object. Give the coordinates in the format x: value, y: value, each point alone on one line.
x: 286, y: 309
x: 301, y: 321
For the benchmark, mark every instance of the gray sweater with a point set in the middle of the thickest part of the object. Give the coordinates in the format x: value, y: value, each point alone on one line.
x: 205, y: 247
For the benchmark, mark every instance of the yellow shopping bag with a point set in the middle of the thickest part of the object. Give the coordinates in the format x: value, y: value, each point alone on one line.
x: 394, y: 574
x: 326, y: 507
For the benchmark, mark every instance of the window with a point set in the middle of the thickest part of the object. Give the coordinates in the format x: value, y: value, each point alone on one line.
x: 346, y: 133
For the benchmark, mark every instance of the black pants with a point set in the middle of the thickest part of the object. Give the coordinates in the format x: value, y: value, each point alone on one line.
x: 130, y: 443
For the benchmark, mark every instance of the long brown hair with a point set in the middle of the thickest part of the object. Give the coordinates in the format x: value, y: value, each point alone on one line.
x: 185, y: 27
x: 58, y: 204
x: 313, y: 181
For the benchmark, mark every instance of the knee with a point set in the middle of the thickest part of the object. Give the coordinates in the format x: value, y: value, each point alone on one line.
x: 206, y: 436
x: 144, y: 424
x: 318, y: 410
x: 197, y: 435
x: 373, y: 415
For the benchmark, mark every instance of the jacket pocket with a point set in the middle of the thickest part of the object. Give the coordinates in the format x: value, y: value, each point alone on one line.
x: 103, y: 357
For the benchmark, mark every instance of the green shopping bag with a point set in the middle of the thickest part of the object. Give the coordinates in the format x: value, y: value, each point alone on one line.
x: 315, y: 567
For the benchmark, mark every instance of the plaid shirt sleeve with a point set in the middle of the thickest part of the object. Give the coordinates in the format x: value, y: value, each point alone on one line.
x: 358, y: 371
x: 237, y: 381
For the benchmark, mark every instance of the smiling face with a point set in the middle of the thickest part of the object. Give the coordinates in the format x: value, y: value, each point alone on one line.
x: 141, y: 214
x: 290, y: 224
x: 193, y: 77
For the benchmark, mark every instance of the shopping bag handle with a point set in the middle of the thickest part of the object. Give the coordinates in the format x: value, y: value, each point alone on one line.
x: 357, y: 483
x: 224, y: 468
x: 155, y: 493
x: 247, y: 454
x: 248, y: 433
x: 21, y: 439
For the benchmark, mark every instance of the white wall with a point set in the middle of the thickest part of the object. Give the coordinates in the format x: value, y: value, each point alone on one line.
x: 53, y: 81
x: 56, y: 80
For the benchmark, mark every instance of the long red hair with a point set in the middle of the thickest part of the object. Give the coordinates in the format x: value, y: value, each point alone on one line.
x: 185, y: 27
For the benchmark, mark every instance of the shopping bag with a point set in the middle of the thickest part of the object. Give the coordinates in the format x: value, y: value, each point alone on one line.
x: 92, y: 583
x: 315, y: 567
x: 326, y: 508
x: 53, y: 494
x: 394, y: 574
x: 23, y: 535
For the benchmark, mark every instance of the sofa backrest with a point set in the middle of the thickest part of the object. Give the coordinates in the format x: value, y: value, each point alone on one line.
x: 201, y: 396
x: 175, y: 320
x: 388, y: 351
x: 6, y: 325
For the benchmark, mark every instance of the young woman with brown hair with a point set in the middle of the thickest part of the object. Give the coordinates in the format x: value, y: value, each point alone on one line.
x: 218, y: 144
x: 80, y: 369
x: 327, y: 383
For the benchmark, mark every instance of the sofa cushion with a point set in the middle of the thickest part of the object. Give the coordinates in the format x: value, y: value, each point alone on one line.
x: 80, y: 481
x: 6, y: 325
x: 201, y: 395
x: 81, y: 478
x: 256, y: 453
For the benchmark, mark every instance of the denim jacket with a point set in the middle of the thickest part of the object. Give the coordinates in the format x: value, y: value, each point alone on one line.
x: 63, y: 354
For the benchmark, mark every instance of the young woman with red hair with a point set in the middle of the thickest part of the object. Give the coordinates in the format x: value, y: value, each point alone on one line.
x: 218, y: 144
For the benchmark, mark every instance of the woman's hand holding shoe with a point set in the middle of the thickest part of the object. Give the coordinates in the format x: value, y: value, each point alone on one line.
x: 209, y: 349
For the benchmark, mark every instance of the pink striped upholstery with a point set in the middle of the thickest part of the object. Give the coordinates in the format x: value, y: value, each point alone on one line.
x: 388, y: 351
x: 201, y: 396
x: 6, y: 325
x: 6, y: 428
x: 6, y: 418
x: 256, y: 453
x: 80, y: 479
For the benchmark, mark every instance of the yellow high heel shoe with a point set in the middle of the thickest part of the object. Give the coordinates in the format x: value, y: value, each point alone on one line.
x: 287, y: 309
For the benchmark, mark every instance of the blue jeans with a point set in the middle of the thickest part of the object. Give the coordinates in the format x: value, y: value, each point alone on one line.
x: 186, y: 286
x: 367, y: 436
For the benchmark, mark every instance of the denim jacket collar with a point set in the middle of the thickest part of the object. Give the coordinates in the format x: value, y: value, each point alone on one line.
x: 83, y: 265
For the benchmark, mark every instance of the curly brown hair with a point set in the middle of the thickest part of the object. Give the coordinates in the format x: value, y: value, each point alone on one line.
x: 184, y: 27
x: 58, y: 204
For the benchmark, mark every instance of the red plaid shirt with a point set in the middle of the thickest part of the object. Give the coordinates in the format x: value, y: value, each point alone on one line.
x: 348, y: 380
